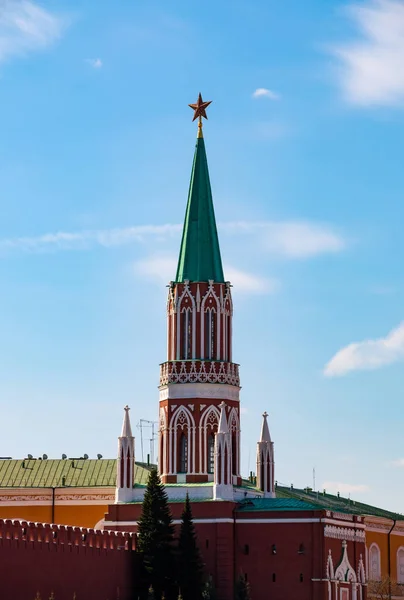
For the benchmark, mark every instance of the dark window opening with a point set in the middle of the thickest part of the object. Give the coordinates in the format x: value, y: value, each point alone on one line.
x: 183, y: 454
x: 186, y: 327
x: 301, y: 577
x: 273, y: 577
x: 207, y: 544
x: 210, y: 332
x: 246, y: 549
x: 273, y: 549
x: 301, y: 549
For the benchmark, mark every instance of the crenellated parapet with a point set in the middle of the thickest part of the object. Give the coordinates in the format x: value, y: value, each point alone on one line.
x: 13, y: 531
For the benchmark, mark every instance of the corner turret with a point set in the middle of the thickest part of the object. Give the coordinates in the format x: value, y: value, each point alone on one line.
x: 126, y: 461
x: 266, y: 461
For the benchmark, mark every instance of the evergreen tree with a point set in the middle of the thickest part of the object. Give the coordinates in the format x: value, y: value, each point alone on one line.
x: 190, y: 572
x: 242, y: 589
x: 155, y: 538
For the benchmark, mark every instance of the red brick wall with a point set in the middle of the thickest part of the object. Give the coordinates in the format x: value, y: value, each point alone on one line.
x: 65, y: 560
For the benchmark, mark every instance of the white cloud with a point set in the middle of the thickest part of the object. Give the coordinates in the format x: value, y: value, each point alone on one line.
x: 159, y: 268
x: 162, y: 268
x: 26, y: 27
x: 293, y: 239
x: 371, y: 70
x: 290, y: 239
x: 369, y: 354
x: 265, y: 93
x: 344, y: 488
x: 96, y: 63
x: 398, y: 463
x: 250, y: 283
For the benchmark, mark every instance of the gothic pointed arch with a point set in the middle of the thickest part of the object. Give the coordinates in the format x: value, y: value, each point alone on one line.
x: 182, y: 431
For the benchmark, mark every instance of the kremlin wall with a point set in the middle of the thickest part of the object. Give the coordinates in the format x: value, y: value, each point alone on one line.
x: 286, y: 542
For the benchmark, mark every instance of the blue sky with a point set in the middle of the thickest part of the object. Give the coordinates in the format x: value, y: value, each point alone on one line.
x: 304, y: 143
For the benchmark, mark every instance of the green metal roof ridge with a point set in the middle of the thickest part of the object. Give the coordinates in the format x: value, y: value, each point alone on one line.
x: 200, y: 258
x: 276, y: 504
x: 338, y: 503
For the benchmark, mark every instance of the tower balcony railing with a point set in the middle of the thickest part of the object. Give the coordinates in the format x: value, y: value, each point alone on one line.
x: 199, y: 371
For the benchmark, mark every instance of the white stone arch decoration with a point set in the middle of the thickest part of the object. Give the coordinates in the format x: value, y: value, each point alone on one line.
x: 400, y: 564
x: 163, y: 431
x: 227, y: 312
x: 209, y: 419
x: 374, y: 566
x: 234, y: 427
x: 182, y: 416
x: 210, y: 293
x: 345, y: 573
x: 186, y: 293
x: 329, y: 573
x: 361, y: 577
x: 330, y: 566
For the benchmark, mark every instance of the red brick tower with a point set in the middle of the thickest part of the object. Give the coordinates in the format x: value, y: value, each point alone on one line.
x: 198, y: 374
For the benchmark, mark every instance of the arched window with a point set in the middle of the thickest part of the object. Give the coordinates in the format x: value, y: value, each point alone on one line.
x: 183, y: 467
x: 210, y: 333
x: 186, y: 329
x: 400, y: 565
x: 211, y: 453
x: 374, y: 563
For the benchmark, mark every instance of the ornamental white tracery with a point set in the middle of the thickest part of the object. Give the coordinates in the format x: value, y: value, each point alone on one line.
x: 344, y: 533
x: 199, y: 372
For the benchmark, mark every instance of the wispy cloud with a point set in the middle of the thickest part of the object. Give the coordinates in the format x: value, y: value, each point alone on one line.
x: 290, y: 239
x: 162, y: 267
x: 265, y: 93
x: 371, y: 70
x: 25, y: 27
x: 369, y: 354
x: 344, y: 488
x: 250, y: 283
x: 293, y: 239
x: 398, y: 463
x: 96, y: 63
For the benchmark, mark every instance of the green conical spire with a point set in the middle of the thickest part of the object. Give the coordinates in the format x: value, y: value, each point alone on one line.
x: 200, y: 258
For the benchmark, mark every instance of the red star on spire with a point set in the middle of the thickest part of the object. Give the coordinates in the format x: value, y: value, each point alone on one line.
x: 199, y: 108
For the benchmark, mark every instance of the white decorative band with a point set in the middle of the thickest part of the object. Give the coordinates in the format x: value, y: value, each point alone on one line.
x: 199, y: 390
x: 344, y: 533
x: 199, y: 372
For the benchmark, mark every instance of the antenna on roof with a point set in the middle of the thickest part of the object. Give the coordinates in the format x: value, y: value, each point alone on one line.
x: 314, y: 479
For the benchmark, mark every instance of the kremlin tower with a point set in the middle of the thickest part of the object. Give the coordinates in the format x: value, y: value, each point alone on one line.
x: 199, y: 404
x: 198, y: 375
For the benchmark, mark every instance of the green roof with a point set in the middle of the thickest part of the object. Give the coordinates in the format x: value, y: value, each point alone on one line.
x: 335, y: 503
x: 275, y: 504
x: 31, y: 473
x: 200, y: 258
